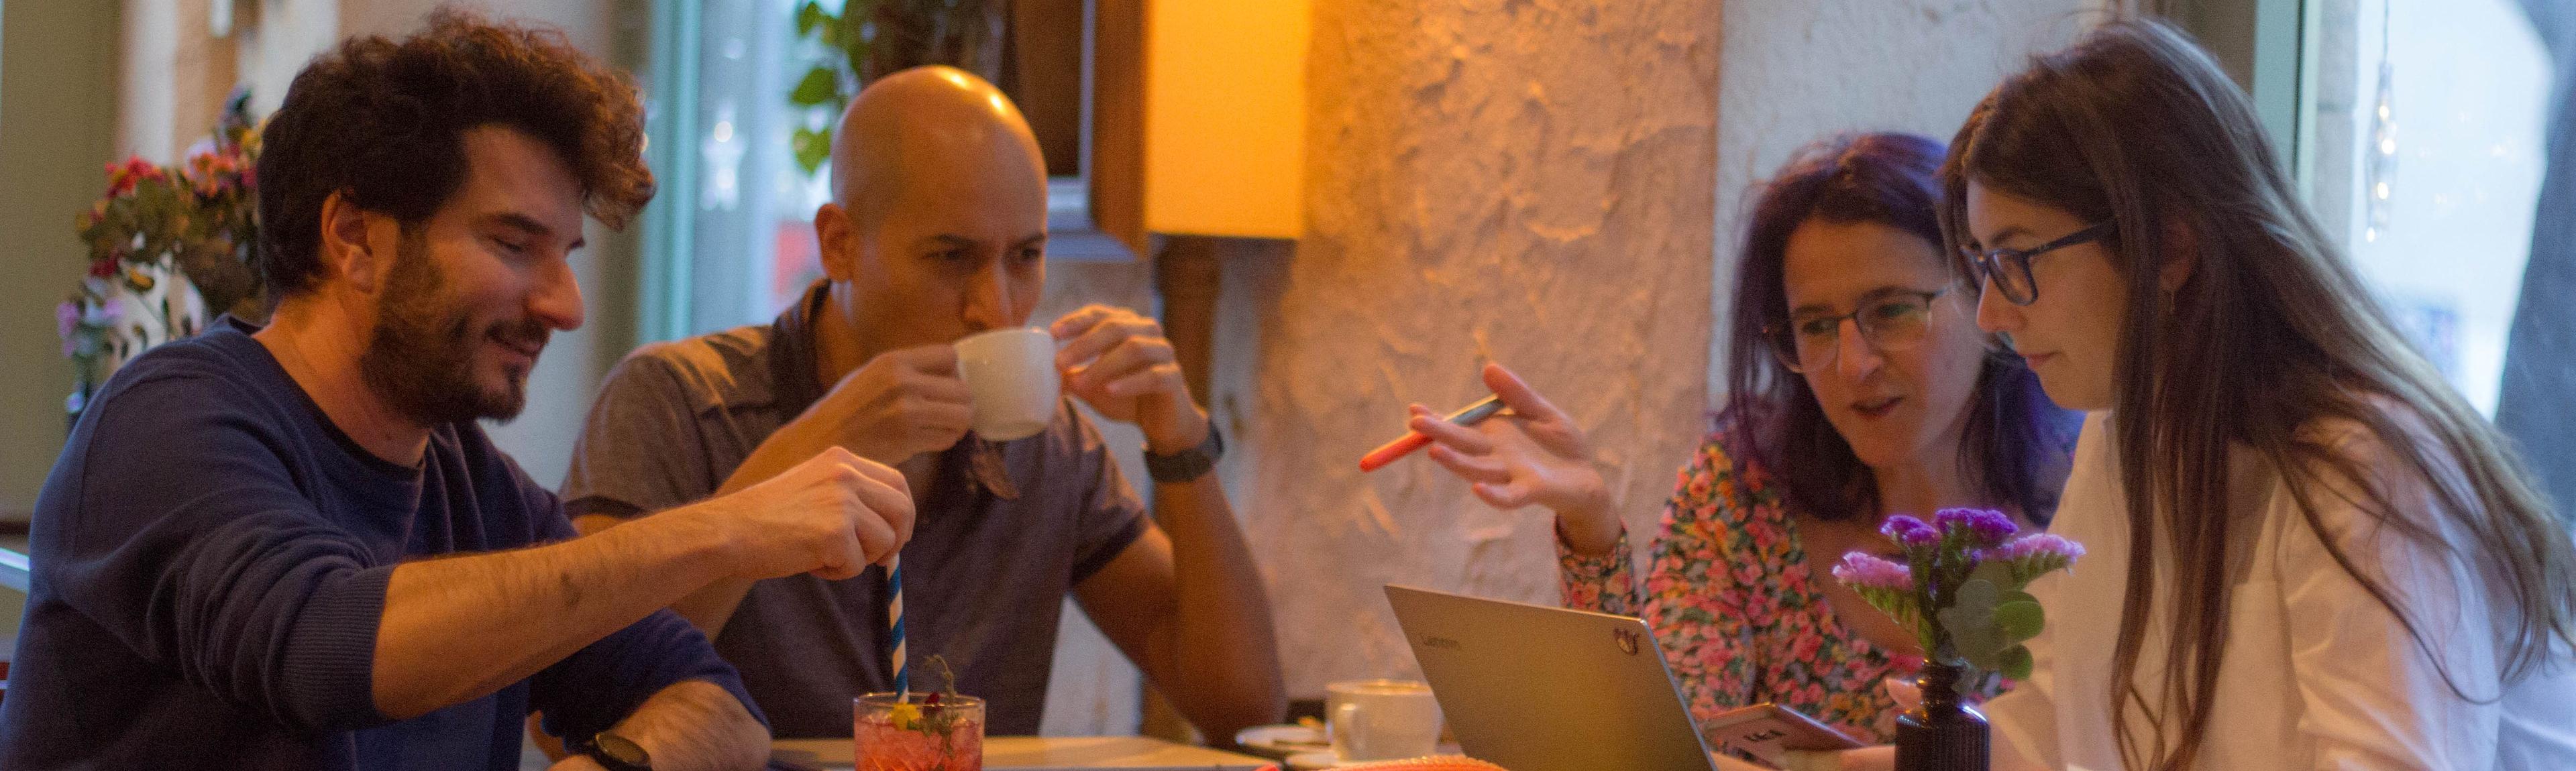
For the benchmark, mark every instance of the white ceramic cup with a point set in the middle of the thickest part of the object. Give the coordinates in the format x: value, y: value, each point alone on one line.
x: 1010, y: 376
x: 1381, y: 720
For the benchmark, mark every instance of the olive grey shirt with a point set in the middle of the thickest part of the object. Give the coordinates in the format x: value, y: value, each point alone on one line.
x: 1008, y: 530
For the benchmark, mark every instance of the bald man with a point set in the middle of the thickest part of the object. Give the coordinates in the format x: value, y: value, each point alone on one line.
x: 937, y: 231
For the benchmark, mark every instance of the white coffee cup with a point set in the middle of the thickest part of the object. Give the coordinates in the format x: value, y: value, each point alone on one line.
x: 1381, y: 720
x: 1010, y: 376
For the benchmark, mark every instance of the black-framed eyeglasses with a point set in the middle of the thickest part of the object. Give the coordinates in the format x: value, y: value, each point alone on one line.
x: 1891, y: 320
x: 2008, y: 270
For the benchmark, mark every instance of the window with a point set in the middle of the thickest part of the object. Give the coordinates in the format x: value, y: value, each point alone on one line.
x: 731, y: 239
x: 2426, y: 145
x: 2424, y: 148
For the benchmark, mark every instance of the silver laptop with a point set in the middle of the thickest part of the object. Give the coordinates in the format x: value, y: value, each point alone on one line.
x: 1535, y: 688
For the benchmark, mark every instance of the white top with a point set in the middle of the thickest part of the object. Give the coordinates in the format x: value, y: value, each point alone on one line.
x: 2317, y: 674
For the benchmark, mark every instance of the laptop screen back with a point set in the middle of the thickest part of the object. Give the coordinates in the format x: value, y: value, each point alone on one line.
x: 1535, y: 688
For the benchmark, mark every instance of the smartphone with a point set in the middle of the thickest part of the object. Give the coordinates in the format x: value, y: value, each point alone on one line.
x: 1768, y: 731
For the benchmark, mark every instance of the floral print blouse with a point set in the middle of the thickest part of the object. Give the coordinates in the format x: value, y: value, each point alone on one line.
x: 1740, y: 617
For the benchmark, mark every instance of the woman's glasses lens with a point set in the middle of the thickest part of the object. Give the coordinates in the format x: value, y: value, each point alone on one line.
x: 1887, y: 323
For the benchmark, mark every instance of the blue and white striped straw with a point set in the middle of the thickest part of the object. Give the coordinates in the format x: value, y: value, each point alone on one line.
x: 894, y: 616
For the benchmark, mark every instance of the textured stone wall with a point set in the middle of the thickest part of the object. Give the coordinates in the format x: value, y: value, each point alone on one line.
x: 1521, y: 180
x: 1554, y: 184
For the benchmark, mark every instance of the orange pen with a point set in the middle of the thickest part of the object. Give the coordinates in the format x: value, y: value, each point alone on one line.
x: 1414, y: 440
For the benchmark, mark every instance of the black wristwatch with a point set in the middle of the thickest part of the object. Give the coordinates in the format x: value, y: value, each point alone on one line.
x: 1186, y: 465
x: 616, y: 753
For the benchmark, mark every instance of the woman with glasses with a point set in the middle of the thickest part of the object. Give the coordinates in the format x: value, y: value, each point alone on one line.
x: 1859, y: 386
x: 2307, y: 552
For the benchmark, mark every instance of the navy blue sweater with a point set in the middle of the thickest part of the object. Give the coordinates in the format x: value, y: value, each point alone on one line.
x: 211, y: 556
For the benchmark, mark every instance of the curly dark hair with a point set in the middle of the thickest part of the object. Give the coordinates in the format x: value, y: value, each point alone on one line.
x: 382, y: 123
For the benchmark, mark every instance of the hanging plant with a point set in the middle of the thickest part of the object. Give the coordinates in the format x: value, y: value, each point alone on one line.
x: 866, y: 39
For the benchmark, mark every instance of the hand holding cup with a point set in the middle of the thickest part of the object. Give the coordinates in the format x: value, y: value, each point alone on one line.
x: 1119, y: 362
x: 902, y: 403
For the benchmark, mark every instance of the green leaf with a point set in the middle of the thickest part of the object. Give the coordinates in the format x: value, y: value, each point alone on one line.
x: 1970, y: 622
x: 2018, y: 621
x: 2015, y: 596
x: 833, y: 32
x: 2016, y: 663
x: 820, y: 86
x: 812, y: 147
x: 1996, y: 573
x: 845, y: 31
x: 808, y: 16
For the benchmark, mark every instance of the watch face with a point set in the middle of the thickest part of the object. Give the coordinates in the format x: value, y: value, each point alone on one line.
x: 619, y: 754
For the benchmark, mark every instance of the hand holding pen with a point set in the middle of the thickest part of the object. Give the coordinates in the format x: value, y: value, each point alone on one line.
x: 1532, y: 453
x: 1404, y: 445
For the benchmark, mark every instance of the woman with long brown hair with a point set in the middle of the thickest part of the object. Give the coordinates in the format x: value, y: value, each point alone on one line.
x: 2306, y: 550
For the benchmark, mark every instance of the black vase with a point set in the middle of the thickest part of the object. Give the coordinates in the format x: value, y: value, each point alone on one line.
x: 1942, y: 735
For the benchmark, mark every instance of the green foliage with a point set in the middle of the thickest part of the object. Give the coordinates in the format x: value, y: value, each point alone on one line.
x: 872, y: 38
x: 2018, y: 619
x: 829, y: 85
x: 812, y: 147
x: 2015, y: 663
x: 1970, y: 623
x: 937, y: 717
x: 820, y: 87
x: 1986, y: 626
x: 1960, y: 586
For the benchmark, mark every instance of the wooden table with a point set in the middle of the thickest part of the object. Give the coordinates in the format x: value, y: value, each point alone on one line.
x: 1035, y: 753
x: 1021, y: 753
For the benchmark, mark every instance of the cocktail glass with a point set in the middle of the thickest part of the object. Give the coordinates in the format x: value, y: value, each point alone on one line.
x: 929, y: 732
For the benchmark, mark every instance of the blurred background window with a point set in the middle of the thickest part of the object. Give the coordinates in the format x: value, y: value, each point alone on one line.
x: 750, y: 89
x: 2425, y: 147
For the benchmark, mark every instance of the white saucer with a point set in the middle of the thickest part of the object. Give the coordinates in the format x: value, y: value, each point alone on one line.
x: 1306, y: 761
x: 1280, y: 741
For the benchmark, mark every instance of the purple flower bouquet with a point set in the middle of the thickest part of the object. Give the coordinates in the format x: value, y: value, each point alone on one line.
x: 1960, y: 586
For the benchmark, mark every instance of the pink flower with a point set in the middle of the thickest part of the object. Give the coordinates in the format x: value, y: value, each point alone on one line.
x: 211, y: 175
x: 2034, y: 555
x: 1861, y: 570
x: 2049, y: 545
x: 1804, y: 648
x: 122, y: 176
x: 1763, y: 533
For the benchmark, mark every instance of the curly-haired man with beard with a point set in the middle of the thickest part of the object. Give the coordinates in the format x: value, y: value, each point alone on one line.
x: 292, y: 546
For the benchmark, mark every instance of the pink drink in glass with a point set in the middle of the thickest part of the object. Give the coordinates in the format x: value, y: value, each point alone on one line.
x: 922, y: 735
